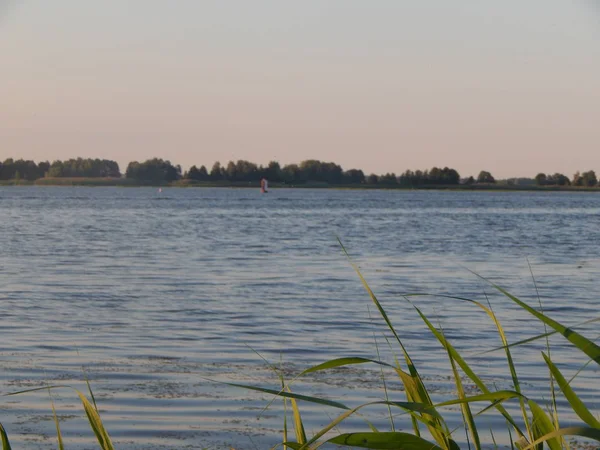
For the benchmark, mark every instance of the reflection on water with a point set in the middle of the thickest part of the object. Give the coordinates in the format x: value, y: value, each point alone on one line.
x: 151, y: 294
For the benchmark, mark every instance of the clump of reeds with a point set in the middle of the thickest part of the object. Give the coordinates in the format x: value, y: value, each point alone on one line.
x: 534, y: 428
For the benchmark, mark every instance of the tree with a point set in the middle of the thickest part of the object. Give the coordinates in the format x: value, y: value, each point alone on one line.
x: 196, y: 174
x: 388, y: 178
x: 541, y: 179
x: 485, y: 177
x: 372, y: 179
x: 354, y: 176
x: 153, y: 170
x: 274, y: 172
x: 230, y: 171
x: 203, y: 173
x: 215, y: 172
x: 470, y: 180
x: 91, y: 168
x: 589, y: 178
x: 559, y: 179
x: 291, y: 173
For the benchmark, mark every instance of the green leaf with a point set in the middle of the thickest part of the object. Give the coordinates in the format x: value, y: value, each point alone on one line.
x: 58, y: 433
x: 306, y: 398
x: 582, y: 343
x: 389, y: 440
x: 575, y: 402
x: 414, y: 387
x: 96, y: 423
x: 591, y: 433
x: 90, y: 411
x: 466, y: 409
x: 4, y: 438
x: 339, y: 362
x: 298, y: 424
x: 292, y: 445
x: 467, y: 369
x: 542, y: 425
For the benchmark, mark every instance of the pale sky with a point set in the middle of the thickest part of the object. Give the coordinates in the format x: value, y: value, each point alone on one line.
x: 508, y: 86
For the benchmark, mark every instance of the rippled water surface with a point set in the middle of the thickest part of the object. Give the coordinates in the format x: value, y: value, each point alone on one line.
x: 151, y: 295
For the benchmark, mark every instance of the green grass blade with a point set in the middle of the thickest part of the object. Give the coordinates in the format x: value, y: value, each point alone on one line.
x: 385, y: 389
x: 57, y: 424
x: 535, y: 338
x: 96, y: 423
x: 408, y: 407
x: 306, y: 398
x: 26, y: 391
x: 467, y: 369
x: 587, y: 432
x: 415, y: 390
x: 510, y: 438
x: 589, y: 361
x: 542, y: 425
x: 552, y: 385
x: 298, y: 424
x: 466, y: 409
x: 340, y: 362
x: 89, y: 386
x: 4, y: 439
x: 582, y: 343
x: 292, y: 445
x: 90, y: 411
x: 389, y: 440
x: 494, y: 439
x: 576, y: 404
x: 506, y: 347
x: 285, y: 432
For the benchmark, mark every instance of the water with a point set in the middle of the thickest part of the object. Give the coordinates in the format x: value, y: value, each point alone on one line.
x: 152, y: 295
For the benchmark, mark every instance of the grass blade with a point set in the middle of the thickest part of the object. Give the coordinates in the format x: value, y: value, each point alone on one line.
x: 96, y: 423
x: 466, y: 409
x: 306, y: 398
x: 466, y: 369
x: 542, y: 425
x: 576, y: 404
x: 582, y: 343
x: 587, y: 432
x: 89, y: 386
x: 340, y: 362
x: 534, y: 338
x: 389, y: 440
x: 414, y: 387
x: 4, y: 439
x: 298, y: 424
x: 56, y: 422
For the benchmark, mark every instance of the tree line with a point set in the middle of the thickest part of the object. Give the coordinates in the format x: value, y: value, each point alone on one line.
x: 585, y: 179
x: 158, y: 170
x: 315, y: 171
x: 19, y: 169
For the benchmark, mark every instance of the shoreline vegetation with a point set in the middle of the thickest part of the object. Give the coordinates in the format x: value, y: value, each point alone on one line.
x: 307, y: 174
x: 132, y: 183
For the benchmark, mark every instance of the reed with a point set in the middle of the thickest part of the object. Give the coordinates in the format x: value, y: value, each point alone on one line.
x: 533, y: 428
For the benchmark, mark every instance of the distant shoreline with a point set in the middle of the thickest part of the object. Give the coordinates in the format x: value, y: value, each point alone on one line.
x: 128, y: 182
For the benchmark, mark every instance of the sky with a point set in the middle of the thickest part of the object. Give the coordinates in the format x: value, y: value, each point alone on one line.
x: 512, y: 87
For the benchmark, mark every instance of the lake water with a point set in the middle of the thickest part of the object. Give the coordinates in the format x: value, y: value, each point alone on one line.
x: 152, y: 295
